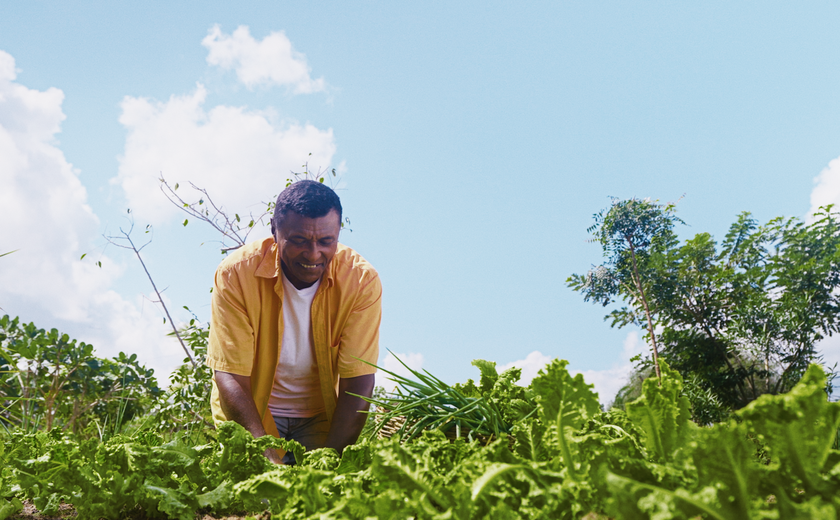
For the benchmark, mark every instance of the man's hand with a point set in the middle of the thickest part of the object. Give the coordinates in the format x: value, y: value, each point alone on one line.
x: 238, y: 405
x: 347, y: 422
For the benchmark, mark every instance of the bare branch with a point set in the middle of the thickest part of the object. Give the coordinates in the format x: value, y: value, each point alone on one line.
x: 127, y: 238
x: 206, y: 210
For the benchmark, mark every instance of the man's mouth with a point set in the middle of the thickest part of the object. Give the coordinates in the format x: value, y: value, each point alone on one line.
x: 309, y: 266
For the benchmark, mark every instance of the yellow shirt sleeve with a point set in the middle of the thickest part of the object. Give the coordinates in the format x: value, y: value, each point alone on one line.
x: 231, y: 344
x: 360, y: 336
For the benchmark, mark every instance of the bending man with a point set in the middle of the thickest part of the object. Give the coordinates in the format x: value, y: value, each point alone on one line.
x: 290, y: 316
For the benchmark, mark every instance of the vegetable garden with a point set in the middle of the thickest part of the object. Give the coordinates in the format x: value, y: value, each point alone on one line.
x: 556, y: 455
x: 101, y: 436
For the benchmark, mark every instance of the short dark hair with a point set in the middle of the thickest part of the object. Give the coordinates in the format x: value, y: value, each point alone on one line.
x: 308, y: 199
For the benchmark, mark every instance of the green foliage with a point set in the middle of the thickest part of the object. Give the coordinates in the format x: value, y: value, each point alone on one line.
x: 742, y: 317
x: 633, y: 234
x: 706, y: 407
x: 662, y: 412
x: 725, y: 479
x: 629, y: 231
x: 185, y: 405
x: 807, y: 425
x: 746, y: 318
x: 40, y: 368
x: 565, y: 403
x: 426, y: 403
x: 650, y: 462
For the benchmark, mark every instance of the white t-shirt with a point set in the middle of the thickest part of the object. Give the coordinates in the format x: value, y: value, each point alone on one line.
x: 297, y: 388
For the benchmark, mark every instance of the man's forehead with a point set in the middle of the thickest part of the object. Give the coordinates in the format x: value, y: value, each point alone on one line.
x: 295, y: 223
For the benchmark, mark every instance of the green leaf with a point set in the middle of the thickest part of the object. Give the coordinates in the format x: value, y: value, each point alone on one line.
x: 799, y: 430
x: 494, y: 472
x: 662, y: 412
x: 564, y: 404
x: 354, y: 458
x: 218, y: 498
x: 9, y: 507
x: 529, y: 435
x: 173, y: 502
x: 488, y: 374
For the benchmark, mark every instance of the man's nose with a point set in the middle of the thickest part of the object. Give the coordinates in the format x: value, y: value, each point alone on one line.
x: 311, y: 253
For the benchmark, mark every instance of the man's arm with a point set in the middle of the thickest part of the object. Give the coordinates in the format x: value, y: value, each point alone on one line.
x: 348, y: 421
x: 238, y: 406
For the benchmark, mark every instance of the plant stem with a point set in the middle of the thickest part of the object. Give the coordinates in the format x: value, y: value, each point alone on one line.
x: 160, y: 299
x: 638, y: 281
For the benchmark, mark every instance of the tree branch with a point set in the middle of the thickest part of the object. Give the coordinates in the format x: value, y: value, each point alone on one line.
x: 127, y: 237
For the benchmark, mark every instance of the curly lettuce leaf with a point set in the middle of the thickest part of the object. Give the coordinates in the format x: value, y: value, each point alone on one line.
x: 663, y: 413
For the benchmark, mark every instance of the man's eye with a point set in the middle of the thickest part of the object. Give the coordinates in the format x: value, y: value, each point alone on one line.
x: 326, y: 242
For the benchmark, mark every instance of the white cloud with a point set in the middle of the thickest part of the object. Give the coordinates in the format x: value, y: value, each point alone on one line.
x: 8, y: 72
x: 530, y: 366
x: 271, y: 61
x: 607, y: 382
x: 241, y: 157
x: 49, y: 222
x: 392, y: 364
x: 827, y: 186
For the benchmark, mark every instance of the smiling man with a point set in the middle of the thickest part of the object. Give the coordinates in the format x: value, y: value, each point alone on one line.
x: 292, y: 317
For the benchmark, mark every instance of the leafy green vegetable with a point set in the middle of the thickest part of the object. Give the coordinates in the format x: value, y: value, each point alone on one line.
x: 774, y: 459
x: 663, y: 412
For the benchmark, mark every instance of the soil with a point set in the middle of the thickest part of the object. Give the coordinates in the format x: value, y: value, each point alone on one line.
x: 67, y: 512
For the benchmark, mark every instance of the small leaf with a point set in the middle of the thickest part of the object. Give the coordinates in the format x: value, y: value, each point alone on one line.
x: 185, y: 221
x: 321, y: 180
x: 83, y: 256
x: 128, y: 210
x: 164, y: 320
x: 99, y: 263
x: 200, y: 202
x: 494, y: 472
x: 176, y: 186
x: 236, y: 216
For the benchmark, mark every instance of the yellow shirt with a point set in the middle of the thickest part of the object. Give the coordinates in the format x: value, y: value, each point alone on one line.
x: 246, y: 329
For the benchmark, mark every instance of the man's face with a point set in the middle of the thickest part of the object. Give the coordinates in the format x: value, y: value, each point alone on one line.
x: 306, y: 246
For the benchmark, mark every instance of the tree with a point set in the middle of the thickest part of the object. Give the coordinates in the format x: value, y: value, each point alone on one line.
x: 40, y: 370
x: 741, y: 319
x: 632, y: 234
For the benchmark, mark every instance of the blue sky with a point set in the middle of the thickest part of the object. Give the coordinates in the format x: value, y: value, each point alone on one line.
x: 475, y: 142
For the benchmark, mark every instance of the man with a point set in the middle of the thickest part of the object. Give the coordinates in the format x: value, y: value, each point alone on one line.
x: 292, y: 317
